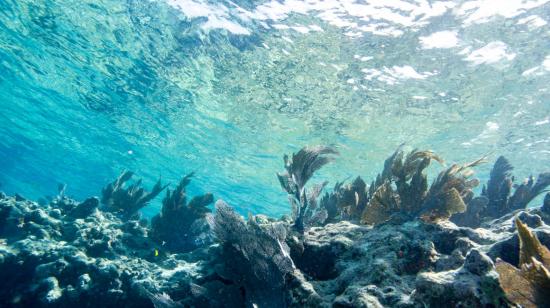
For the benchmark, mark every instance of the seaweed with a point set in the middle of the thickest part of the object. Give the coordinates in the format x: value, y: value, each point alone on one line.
x: 529, y: 284
x: 299, y: 170
x: 255, y: 256
x: 128, y: 201
x: 180, y: 225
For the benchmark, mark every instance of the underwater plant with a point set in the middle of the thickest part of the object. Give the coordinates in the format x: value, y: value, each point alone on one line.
x: 499, y: 189
x: 345, y: 202
x: 450, y: 192
x: 402, y: 189
x: 180, y: 224
x: 128, y: 201
x: 299, y: 170
x: 529, y: 284
x: 501, y: 196
x: 255, y: 256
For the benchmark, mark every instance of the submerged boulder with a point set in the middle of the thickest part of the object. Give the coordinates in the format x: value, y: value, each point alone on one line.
x: 475, y: 284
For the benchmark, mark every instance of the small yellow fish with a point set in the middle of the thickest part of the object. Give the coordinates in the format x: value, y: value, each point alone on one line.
x: 156, y: 253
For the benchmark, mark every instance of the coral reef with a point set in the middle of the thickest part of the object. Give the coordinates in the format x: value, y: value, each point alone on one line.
x: 408, y: 254
x: 180, y: 226
x: 51, y: 257
x: 128, y: 201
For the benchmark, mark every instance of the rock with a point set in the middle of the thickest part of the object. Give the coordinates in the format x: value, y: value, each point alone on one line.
x: 474, y: 285
x: 51, y: 291
x: 84, y: 209
x: 478, y: 263
x: 546, y: 205
x: 324, y: 244
x: 531, y: 220
x: 356, y: 297
x: 300, y: 292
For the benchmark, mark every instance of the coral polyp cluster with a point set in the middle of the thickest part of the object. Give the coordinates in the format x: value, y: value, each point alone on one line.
x: 399, y: 242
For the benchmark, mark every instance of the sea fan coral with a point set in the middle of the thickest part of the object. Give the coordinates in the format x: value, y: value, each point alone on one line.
x: 501, y: 196
x: 299, y: 169
x: 255, y: 256
x: 402, y: 189
x: 181, y: 226
x: 345, y: 201
x: 499, y: 189
x: 382, y: 205
x: 528, y: 285
x: 128, y: 201
x: 450, y: 191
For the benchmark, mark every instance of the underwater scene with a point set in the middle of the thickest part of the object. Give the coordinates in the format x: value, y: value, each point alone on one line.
x: 275, y: 153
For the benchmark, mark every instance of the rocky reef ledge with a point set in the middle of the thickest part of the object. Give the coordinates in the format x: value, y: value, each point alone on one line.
x: 96, y: 253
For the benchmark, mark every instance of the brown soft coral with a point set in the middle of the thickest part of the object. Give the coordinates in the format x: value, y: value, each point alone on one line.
x: 402, y: 189
x: 450, y: 192
x: 528, y: 285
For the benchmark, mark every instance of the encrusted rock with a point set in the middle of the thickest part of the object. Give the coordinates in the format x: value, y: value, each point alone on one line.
x: 84, y: 209
x: 473, y: 285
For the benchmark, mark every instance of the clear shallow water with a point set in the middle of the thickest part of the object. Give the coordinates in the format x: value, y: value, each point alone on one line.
x: 88, y: 88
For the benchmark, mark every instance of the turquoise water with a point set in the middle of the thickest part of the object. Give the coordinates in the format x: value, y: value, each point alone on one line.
x: 223, y: 88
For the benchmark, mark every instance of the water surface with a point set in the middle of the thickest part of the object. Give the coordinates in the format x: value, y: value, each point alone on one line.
x: 224, y: 88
